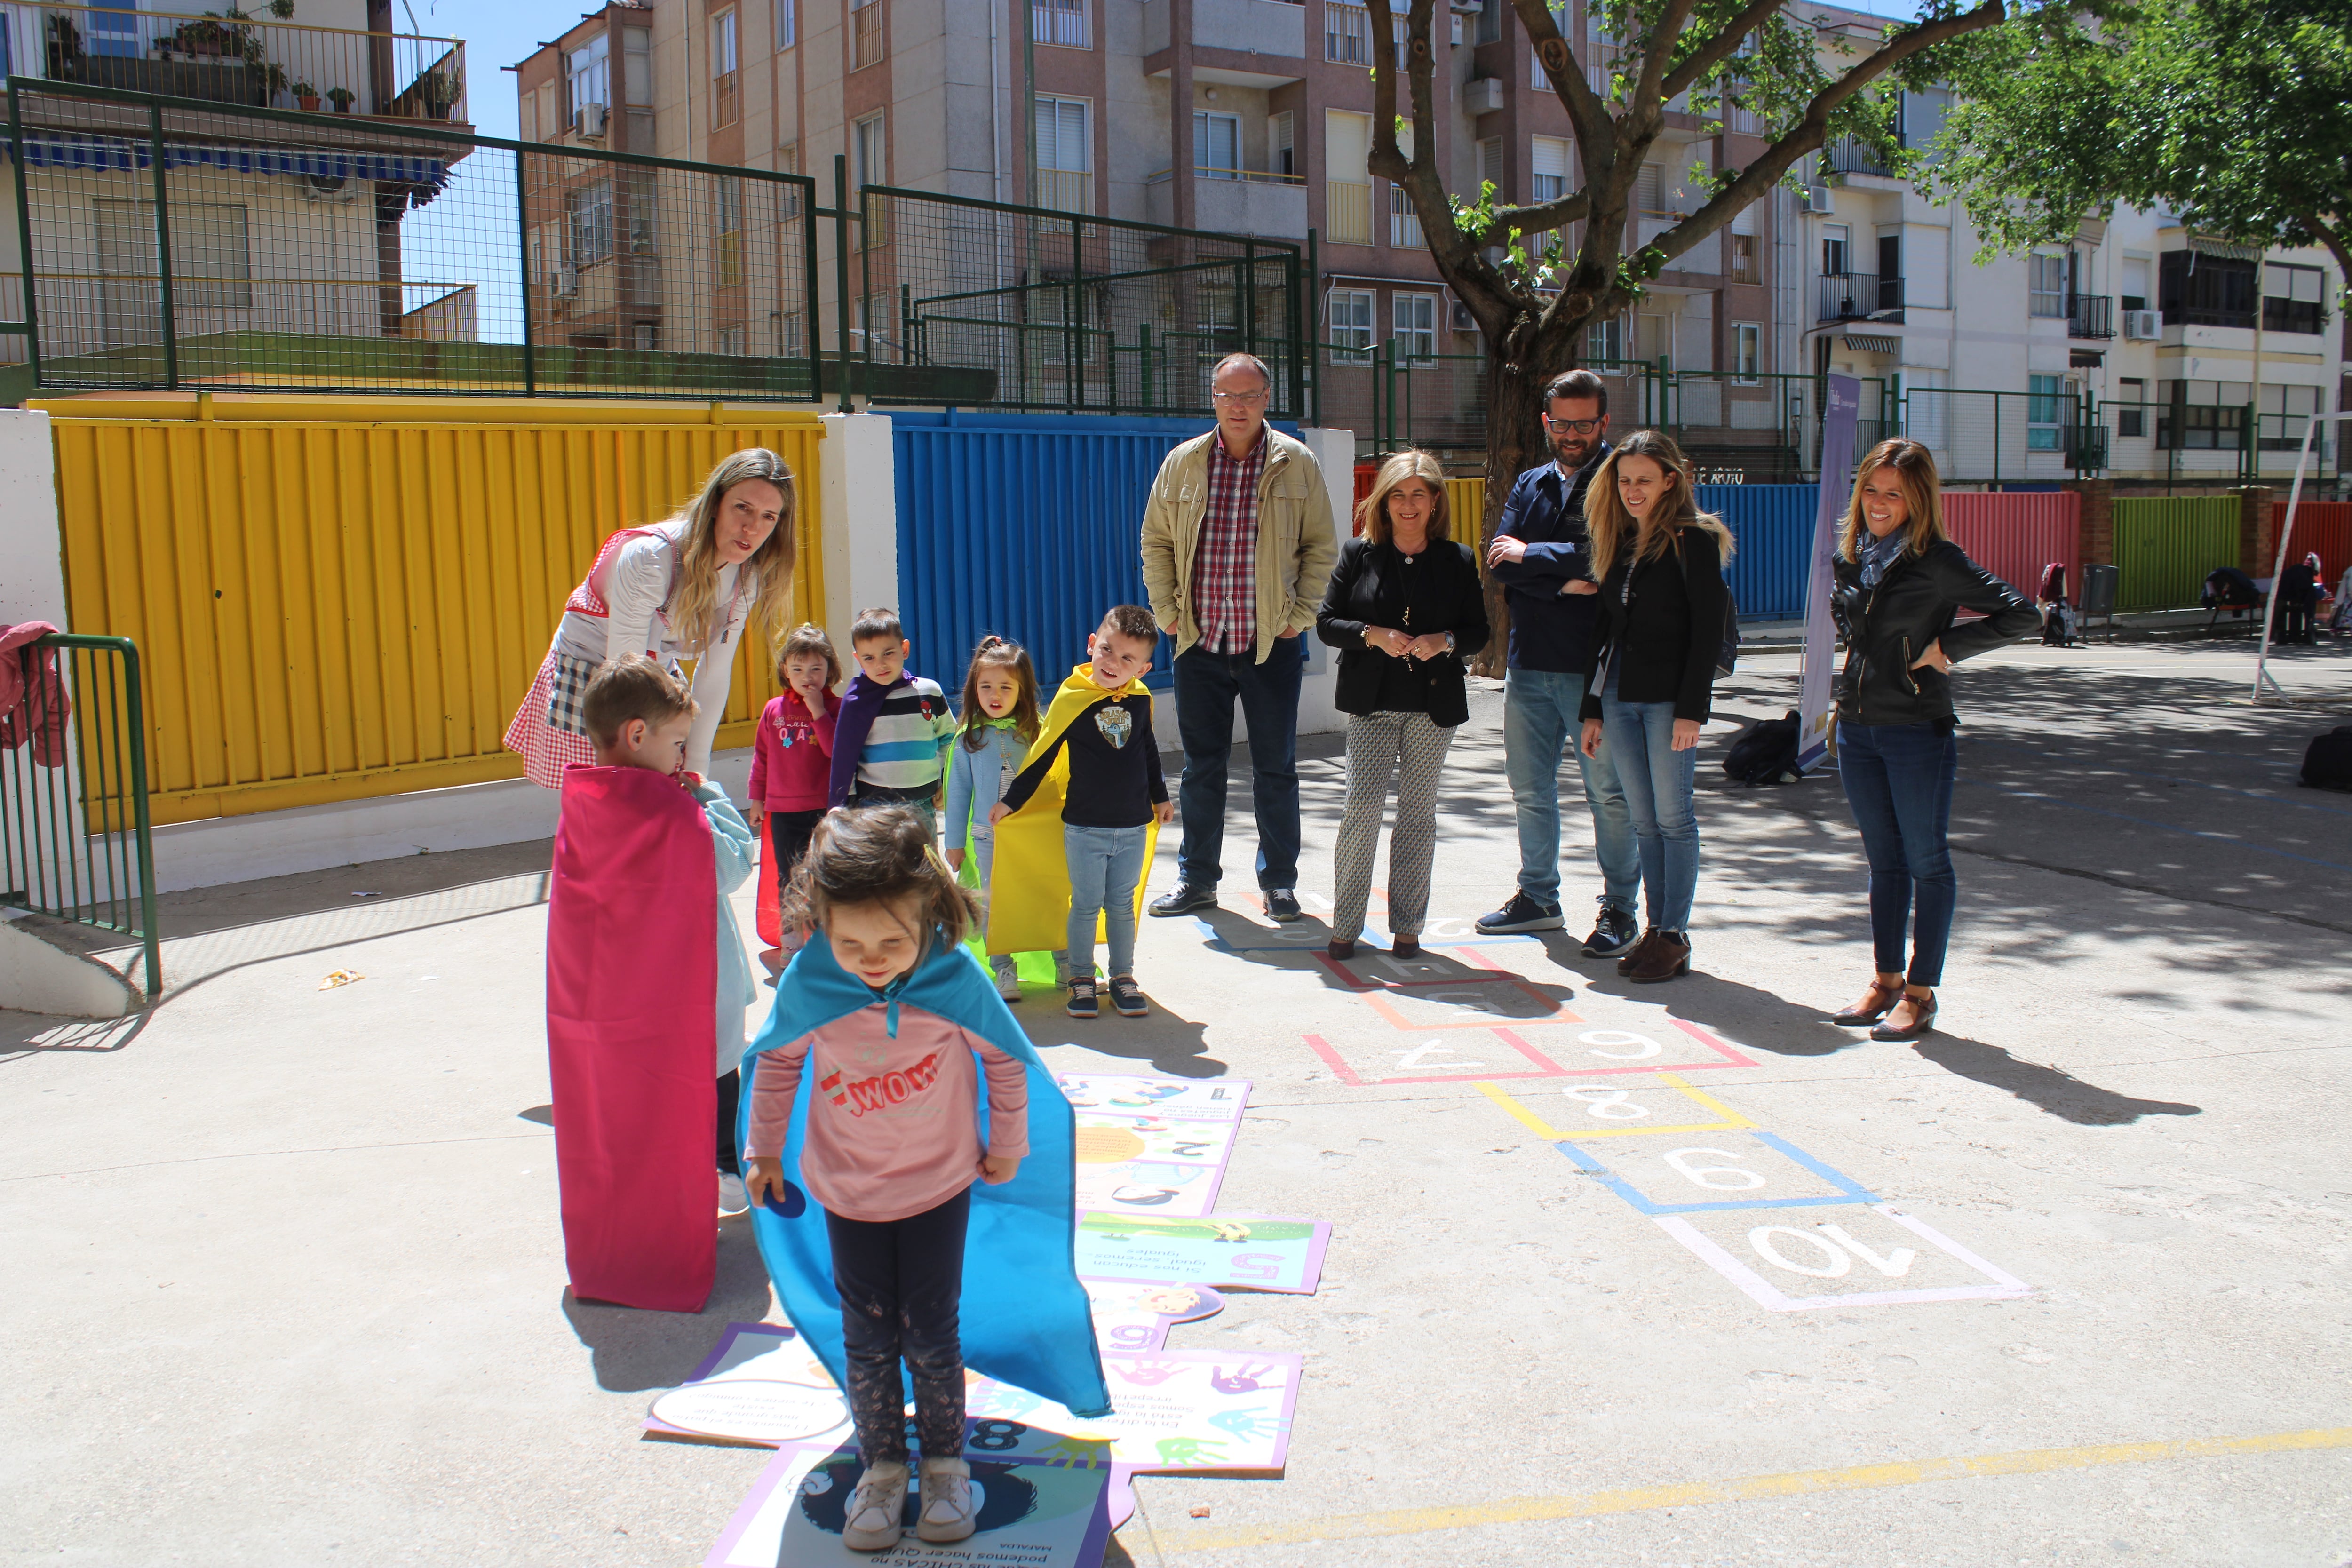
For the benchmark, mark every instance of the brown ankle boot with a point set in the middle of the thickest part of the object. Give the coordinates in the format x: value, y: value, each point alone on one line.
x: 1625, y: 965
x: 1665, y: 955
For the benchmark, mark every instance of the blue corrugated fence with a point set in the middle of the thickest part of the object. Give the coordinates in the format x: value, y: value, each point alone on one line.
x: 1023, y: 525
x: 1772, y: 526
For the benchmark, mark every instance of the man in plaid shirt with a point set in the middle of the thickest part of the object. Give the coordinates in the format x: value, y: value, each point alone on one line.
x: 1237, y: 543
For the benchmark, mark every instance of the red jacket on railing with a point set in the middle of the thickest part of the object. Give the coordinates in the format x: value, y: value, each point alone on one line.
x: 33, y: 702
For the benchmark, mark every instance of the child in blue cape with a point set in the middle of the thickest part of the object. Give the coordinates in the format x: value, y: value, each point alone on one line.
x: 945, y: 1232
x: 999, y: 722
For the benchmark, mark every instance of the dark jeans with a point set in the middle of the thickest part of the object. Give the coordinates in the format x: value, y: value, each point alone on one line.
x: 730, y: 1096
x: 901, y: 1283
x: 788, y: 840
x: 1898, y: 779
x: 1207, y: 686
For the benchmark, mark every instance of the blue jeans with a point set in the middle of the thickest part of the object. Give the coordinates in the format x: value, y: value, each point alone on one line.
x: 1540, y: 708
x: 1658, y: 782
x: 1207, y: 686
x: 1898, y: 779
x: 1105, y: 864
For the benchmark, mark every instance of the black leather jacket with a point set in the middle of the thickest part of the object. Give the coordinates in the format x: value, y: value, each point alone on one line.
x: 1889, y: 626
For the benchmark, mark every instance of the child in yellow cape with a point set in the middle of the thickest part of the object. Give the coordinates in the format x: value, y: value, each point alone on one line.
x: 1079, y: 822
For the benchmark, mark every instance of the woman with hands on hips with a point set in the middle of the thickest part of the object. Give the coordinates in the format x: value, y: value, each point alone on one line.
x: 1659, y: 562
x: 1900, y: 585
x: 1405, y: 607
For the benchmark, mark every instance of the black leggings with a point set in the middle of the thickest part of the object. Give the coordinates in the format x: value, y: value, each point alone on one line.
x: 788, y: 840
x: 901, y: 1282
x: 730, y: 1096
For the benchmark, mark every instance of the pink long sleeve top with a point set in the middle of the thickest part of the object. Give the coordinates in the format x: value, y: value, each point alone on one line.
x: 892, y: 1129
x: 791, y: 755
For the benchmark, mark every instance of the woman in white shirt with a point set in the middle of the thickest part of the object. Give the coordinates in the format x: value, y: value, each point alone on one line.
x: 684, y: 588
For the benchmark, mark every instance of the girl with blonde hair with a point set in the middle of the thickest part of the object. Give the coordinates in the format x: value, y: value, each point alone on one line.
x: 1659, y: 561
x: 1405, y: 607
x: 686, y: 587
x: 1900, y: 582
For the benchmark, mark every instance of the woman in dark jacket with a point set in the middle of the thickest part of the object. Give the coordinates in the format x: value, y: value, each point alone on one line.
x: 1405, y: 607
x: 1659, y: 562
x: 1899, y: 584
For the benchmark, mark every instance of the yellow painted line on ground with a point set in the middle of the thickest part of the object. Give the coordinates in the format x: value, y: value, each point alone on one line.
x: 1796, y: 1483
x: 1732, y: 1121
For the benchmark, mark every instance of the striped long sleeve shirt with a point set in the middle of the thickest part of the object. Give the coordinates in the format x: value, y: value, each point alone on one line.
x: 893, y: 737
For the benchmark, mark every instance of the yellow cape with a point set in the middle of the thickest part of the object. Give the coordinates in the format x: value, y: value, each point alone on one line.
x: 1029, y: 901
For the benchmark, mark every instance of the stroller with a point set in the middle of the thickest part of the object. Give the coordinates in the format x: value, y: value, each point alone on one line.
x: 2060, y: 624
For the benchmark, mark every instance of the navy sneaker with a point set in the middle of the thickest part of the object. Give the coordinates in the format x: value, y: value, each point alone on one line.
x: 1522, y: 913
x: 1082, y: 998
x: 1613, y: 936
x: 1182, y: 900
x: 1281, y: 905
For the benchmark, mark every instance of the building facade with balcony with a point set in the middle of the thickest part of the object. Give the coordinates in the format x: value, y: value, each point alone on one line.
x: 1249, y: 117
x: 2140, y: 350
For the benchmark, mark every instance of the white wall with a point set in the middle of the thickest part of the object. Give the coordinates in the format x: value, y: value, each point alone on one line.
x: 32, y: 558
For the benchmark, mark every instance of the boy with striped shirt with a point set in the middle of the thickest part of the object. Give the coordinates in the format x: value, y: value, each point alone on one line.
x: 891, y: 737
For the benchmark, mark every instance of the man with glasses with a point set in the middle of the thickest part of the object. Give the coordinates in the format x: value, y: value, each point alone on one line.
x: 1538, y: 554
x: 1237, y: 542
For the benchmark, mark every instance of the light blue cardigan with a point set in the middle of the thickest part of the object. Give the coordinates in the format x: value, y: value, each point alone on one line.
x: 731, y: 842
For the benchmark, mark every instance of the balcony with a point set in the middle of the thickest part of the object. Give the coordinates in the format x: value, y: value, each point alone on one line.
x: 1061, y: 23
x: 1852, y: 155
x: 2090, y: 316
x: 1065, y: 190
x: 1241, y: 201
x: 254, y: 63
x: 1263, y: 27
x: 1860, y: 297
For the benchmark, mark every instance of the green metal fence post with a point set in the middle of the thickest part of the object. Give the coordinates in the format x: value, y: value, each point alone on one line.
x: 1303, y: 359
x: 140, y: 827
x: 841, y: 277
x: 25, y: 232
x: 2250, y: 445
x: 523, y: 245
x: 1143, y: 369
x: 809, y: 292
x: 163, y: 248
x: 1249, y: 304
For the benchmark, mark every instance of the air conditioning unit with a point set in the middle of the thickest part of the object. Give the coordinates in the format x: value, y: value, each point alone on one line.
x: 1818, y: 199
x: 1461, y: 319
x: 588, y: 119
x: 2148, y: 324
x: 1467, y: 7
x: 566, y: 283
x: 1483, y: 95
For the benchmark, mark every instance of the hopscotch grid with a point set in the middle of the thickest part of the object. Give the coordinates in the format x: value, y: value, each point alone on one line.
x: 1732, y: 1121
x: 1765, y: 1294
x: 1850, y: 1191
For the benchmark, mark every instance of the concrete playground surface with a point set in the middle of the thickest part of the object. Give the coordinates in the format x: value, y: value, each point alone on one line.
x: 2063, y: 1284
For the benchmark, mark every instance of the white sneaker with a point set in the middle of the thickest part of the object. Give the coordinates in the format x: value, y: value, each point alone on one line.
x: 876, y: 1509
x: 947, y: 1509
x: 734, y: 1196
x: 1008, y: 985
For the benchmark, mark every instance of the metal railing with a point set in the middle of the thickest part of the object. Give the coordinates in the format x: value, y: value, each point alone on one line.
x: 73, y: 837
x: 1062, y: 23
x: 1858, y: 296
x: 252, y: 62
x: 1852, y: 155
x: 2090, y: 316
x: 176, y: 244
x: 979, y: 303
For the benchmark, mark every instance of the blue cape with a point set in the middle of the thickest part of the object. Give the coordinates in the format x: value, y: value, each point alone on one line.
x: 1025, y: 1321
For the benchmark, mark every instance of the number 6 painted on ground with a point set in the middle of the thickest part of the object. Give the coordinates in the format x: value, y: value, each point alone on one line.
x: 1703, y: 1174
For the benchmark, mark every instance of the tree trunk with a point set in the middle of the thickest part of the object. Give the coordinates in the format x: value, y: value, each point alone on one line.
x: 1514, y: 443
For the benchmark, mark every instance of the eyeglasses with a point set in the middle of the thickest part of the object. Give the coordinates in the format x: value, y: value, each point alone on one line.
x: 1581, y: 426
x: 1243, y: 397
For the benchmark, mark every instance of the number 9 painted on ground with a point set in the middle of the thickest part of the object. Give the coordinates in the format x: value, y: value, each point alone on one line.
x: 1643, y: 1045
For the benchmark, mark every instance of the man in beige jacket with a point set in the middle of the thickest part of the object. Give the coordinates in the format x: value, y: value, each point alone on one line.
x: 1237, y: 542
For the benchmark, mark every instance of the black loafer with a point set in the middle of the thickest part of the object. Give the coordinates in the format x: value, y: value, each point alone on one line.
x: 1281, y: 905
x: 1182, y: 900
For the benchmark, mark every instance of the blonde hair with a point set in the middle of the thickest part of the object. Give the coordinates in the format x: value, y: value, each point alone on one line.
x: 693, y: 605
x: 1915, y: 469
x: 1373, y: 511
x: 1607, y: 523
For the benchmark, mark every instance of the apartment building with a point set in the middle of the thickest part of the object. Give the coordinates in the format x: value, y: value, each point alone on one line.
x: 2139, y: 348
x: 1249, y: 117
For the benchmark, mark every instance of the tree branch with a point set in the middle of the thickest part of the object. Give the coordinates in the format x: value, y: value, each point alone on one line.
x: 1541, y: 216
x: 1656, y: 49
x: 1811, y: 131
x: 2333, y: 237
x: 1717, y: 50
x: 1586, y: 110
x: 1478, y: 285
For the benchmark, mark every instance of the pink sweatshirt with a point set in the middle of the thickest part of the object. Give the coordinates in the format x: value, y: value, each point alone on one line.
x: 891, y: 1125
x: 791, y: 755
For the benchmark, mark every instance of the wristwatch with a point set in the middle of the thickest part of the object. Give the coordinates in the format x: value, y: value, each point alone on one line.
x: 1449, y: 642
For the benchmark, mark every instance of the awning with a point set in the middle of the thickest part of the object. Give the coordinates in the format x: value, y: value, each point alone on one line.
x: 1873, y: 344
x: 125, y: 154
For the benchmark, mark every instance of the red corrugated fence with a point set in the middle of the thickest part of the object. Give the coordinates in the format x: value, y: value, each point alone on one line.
x: 2322, y: 525
x: 2014, y: 534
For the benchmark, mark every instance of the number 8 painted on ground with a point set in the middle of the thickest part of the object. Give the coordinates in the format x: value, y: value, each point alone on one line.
x: 1646, y: 1045
x: 1702, y: 1174
x: 1613, y: 1105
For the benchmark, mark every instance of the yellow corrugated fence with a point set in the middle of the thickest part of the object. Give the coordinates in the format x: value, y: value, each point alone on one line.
x: 336, y: 599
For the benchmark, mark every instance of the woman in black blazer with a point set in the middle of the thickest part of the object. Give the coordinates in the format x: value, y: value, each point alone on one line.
x: 1659, y: 561
x: 1405, y: 607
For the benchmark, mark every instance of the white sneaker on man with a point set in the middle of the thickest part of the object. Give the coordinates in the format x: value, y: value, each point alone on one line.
x: 876, y: 1509
x: 948, y: 1509
x: 734, y: 1196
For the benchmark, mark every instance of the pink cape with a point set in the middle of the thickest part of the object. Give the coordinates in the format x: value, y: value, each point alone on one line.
x: 632, y: 1007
